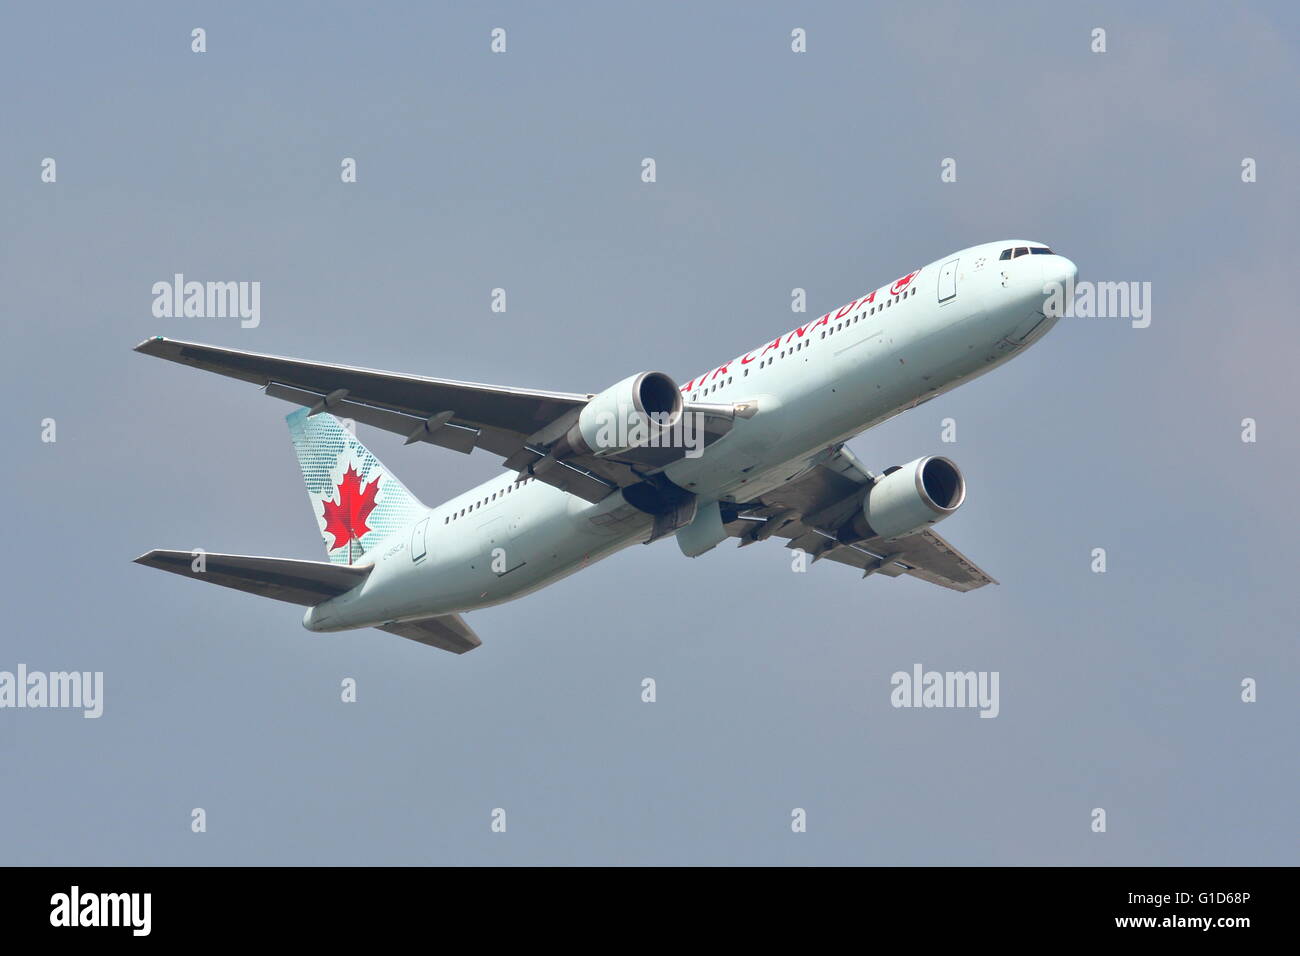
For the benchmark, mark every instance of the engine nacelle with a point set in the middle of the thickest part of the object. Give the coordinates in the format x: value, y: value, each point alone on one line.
x: 910, y: 499
x: 627, y: 415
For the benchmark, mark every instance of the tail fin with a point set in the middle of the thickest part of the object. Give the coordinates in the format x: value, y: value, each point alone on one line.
x: 357, y: 501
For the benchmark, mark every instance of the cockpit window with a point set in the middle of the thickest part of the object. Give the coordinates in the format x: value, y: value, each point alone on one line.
x: 1019, y: 251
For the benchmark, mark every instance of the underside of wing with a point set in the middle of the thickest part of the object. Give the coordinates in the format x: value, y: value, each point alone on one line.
x: 810, y: 510
x: 925, y: 555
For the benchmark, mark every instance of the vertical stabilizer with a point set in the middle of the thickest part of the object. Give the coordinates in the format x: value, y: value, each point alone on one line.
x: 357, y: 501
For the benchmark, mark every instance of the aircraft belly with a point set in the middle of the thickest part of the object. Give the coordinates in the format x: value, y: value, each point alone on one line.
x: 547, y: 551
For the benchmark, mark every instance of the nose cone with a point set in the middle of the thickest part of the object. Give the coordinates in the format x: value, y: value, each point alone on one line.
x: 1059, y: 271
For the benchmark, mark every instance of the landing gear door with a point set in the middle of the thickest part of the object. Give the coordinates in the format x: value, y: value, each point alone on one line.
x: 948, y: 280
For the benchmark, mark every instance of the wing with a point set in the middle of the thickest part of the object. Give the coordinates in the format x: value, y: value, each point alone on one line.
x: 515, y: 423
x: 808, y: 508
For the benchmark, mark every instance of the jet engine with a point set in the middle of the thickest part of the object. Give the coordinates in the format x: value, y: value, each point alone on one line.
x: 909, y: 499
x: 627, y: 415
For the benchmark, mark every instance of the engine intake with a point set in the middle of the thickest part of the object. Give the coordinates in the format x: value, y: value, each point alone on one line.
x: 910, y: 499
x: 627, y: 415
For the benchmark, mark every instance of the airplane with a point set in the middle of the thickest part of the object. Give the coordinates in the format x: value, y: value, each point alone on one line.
x: 752, y: 449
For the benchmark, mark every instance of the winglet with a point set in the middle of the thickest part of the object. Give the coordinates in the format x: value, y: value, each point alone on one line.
x: 150, y: 345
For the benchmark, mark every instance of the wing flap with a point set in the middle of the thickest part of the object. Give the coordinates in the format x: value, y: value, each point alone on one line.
x: 930, y: 557
x: 434, y: 429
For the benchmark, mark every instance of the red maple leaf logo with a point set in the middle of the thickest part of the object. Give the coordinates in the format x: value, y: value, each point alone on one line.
x: 346, y: 519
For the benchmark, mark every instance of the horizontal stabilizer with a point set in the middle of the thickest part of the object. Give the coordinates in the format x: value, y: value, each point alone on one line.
x: 284, y: 579
x: 448, y: 632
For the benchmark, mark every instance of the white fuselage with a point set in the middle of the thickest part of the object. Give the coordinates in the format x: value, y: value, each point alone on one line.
x: 814, y: 386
